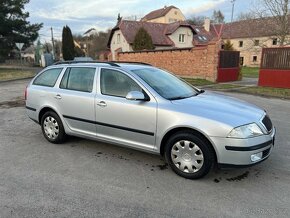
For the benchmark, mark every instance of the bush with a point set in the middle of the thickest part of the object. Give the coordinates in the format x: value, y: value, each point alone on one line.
x: 67, y: 44
x: 142, y: 40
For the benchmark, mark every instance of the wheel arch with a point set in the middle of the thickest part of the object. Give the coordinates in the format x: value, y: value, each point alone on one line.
x: 181, y: 129
x: 43, y: 111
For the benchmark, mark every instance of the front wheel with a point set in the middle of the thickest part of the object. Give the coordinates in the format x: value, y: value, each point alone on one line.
x: 189, y: 155
x: 52, y: 128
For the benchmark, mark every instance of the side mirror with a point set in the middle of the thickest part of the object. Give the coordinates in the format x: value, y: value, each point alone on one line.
x: 135, y: 96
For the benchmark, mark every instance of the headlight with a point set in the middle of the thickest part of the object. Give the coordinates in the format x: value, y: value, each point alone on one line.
x: 246, y: 131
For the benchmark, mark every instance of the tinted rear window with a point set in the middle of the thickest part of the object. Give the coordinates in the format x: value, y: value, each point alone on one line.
x: 48, y: 77
x: 78, y: 79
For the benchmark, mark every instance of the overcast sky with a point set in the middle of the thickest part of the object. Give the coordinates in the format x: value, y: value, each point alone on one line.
x: 81, y: 15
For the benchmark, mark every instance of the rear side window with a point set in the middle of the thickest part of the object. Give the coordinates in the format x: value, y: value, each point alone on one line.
x: 48, y: 77
x: 78, y: 79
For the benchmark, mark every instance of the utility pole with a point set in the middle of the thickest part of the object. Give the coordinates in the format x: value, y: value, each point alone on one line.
x: 52, y: 41
x: 233, y: 7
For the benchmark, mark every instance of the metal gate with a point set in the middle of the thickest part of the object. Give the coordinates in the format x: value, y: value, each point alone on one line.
x: 275, y: 67
x: 229, y: 66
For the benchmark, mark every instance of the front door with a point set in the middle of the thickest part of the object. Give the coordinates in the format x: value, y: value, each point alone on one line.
x: 120, y: 120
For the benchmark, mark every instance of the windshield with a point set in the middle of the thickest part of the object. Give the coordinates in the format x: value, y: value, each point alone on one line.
x: 166, y: 84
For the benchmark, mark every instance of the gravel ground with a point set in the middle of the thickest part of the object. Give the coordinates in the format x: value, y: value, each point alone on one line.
x: 83, y: 178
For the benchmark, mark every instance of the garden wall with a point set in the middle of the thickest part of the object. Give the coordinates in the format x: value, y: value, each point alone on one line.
x: 198, y: 62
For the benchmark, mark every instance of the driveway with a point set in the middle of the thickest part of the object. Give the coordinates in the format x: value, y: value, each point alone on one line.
x: 83, y: 178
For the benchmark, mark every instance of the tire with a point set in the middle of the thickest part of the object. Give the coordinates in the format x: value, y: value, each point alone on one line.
x: 189, y: 155
x: 52, y: 128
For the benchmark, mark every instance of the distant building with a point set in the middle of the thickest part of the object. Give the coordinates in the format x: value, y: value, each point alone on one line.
x: 164, y: 36
x: 169, y: 14
x: 249, y: 37
x: 167, y: 28
x: 90, y: 32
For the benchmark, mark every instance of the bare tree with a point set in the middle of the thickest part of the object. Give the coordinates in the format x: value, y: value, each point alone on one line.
x: 218, y: 17
x: 278, y: 9
x: 246, y: 16
x: 196, y: 20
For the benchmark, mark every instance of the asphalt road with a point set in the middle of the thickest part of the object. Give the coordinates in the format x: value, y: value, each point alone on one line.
x: 83, y: 178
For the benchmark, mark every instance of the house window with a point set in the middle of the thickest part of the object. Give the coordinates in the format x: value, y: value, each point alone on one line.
x: 181, y: 38
x: 242, y: 61
x: 255, y: 58
x: 118, y: 38
x: 241, y: 43
x: 275, y: 41
x: 256, y: 42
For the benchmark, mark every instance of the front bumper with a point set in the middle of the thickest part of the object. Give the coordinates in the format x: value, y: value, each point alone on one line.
x: 242, y: 152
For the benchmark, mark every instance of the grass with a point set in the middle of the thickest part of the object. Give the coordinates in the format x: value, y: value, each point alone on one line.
x: 256, y: 90
x: 10, y: 74
x: 224, y: 86
x: 267, y: 91
x: 198, y: 82
x: 252, y: 72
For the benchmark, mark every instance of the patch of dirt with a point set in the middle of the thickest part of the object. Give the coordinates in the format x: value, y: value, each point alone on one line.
x: 163, y: 167
x: 216, y: 180
x: 17, y: 102
x: 152, y: 167
x: 239, y: 177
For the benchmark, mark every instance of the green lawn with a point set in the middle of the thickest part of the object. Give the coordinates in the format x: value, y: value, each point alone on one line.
x: 252, y: 72
x: 198, y: 82
x: 267, y: 91
x: 258, y: 90
x: 224, y: 86
x: 10, y: 74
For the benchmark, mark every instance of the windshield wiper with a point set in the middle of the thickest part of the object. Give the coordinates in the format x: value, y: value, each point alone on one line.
x: 181, y: 97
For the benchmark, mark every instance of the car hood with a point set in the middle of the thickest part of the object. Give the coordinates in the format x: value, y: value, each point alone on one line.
x: 221, y: 108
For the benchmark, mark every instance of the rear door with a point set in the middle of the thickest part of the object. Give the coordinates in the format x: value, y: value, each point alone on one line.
x: 120, y: 120
x: 75, y: 99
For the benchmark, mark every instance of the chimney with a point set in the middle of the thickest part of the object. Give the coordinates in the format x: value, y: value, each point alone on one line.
x: 206, y: 24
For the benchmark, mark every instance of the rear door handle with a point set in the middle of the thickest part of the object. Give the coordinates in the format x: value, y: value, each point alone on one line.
x: 102, y: 104
x: 58, y: 96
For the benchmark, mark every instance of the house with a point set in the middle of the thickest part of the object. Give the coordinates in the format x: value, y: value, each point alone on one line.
x: 249, y: 37
x: 166, y: 14
x: 164, y: 35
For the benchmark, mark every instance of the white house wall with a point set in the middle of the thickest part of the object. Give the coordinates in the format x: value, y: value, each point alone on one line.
x: 188, y: 37
x: 123, y: 44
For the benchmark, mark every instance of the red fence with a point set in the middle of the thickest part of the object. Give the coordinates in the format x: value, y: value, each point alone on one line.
x: 275, y: 67
x: 228, y: 68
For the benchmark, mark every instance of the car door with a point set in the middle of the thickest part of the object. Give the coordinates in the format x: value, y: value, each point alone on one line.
x: 130, y: 122
x: 75, y: 99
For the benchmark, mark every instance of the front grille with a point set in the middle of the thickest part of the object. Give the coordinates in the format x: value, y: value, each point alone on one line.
x: 266, y: 153
x: 267, y: 123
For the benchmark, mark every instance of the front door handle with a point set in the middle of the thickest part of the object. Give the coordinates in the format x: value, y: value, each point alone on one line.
x: 102, y: 104
x: 58, y: 96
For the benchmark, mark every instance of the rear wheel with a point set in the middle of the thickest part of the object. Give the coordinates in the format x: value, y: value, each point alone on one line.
x: 52, y: 128
x: 189, y: 155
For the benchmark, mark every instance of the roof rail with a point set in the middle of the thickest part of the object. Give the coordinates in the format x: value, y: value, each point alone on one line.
x: 131, y: 62
x: 112, y: 63
x: 93, y: 62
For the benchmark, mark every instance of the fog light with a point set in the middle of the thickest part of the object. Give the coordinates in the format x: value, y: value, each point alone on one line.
x: 256, y: 157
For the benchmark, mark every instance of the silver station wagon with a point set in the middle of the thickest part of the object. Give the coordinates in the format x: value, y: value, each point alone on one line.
x: 146, y: 108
